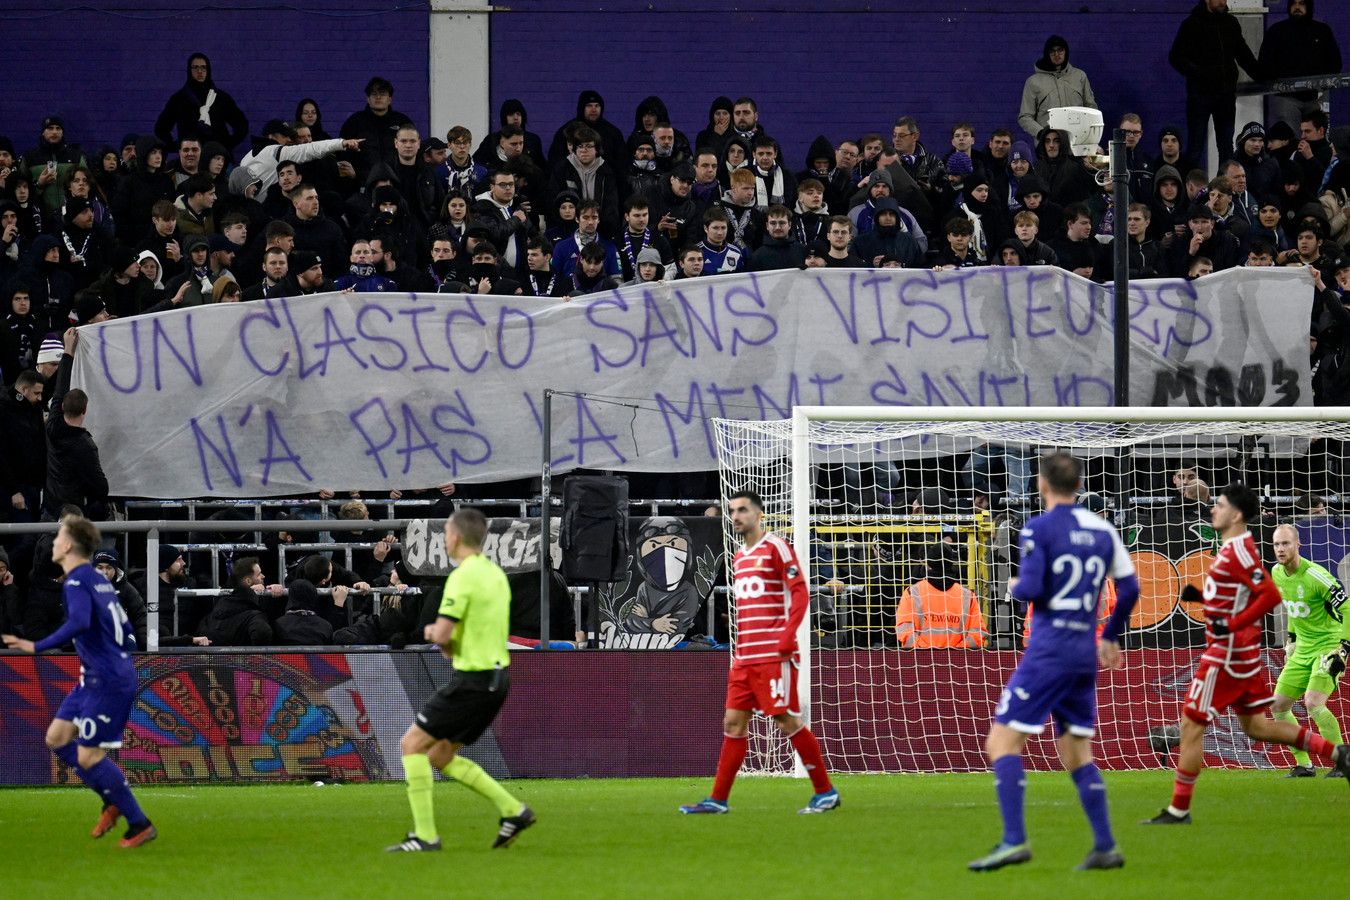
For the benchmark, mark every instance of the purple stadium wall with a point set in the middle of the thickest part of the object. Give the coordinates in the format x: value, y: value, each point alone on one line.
x: 108, y: 67
x: 841, y: 69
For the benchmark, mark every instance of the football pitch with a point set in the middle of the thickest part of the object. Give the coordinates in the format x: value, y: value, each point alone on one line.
x: 1255, y: 835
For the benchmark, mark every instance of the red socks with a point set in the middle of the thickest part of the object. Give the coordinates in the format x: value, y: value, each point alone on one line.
x: 728, y: 764
x: 1310, y: 741
x: 808, y: 748
x: 1183, y: 789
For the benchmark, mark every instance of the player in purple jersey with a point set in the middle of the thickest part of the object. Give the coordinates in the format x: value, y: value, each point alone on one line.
x: 92, y: 717
x: 1067, y: 552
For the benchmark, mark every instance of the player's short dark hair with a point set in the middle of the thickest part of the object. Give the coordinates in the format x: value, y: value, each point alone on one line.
x: 746, y: 494
x: 242, y: 569
x: 1061, y: 471
x: 1243, y: 499
x: 75, y: 403
x: 471, y: 526
x: 83, y: 534
x: 315, y: 569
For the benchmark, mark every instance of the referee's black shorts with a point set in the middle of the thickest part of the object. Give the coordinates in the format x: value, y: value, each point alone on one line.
x: 462, y: 710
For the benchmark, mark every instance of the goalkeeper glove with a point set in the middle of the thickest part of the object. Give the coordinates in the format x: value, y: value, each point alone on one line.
x: 1218, y: 627
x: 1289, y: 641
x: 1334, y: 662
x: 1191, y: 594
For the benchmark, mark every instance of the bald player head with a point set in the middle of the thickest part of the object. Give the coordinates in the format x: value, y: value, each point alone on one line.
x: 1286, y: 543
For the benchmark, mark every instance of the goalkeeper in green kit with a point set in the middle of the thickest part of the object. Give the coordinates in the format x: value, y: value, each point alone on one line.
x: 1319, y: 642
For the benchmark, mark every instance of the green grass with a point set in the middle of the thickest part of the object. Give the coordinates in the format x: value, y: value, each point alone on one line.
x: 1255, y: 835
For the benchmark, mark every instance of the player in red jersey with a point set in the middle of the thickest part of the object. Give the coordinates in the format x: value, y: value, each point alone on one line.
x: 771, y: 601
x: 1238, y: 593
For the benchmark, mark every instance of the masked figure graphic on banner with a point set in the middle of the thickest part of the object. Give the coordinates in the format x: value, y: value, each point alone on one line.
x: 674, y: 586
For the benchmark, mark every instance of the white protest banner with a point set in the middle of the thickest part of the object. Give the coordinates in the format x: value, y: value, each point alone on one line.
x: 380, y: 391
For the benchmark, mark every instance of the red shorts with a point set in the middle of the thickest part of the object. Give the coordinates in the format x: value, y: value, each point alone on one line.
x: 769, y: 688
x: 1213, y: 690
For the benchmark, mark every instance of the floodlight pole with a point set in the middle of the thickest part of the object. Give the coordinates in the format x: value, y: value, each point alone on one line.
x: 1120, y: 248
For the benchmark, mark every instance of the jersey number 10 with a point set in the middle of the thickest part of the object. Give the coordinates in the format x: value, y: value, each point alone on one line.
x: 1084, y: 584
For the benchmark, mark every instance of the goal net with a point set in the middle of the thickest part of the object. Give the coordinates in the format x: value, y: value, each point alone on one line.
x: 906, y: 521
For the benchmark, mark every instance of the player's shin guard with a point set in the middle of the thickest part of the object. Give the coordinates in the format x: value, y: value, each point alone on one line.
x: 1011, y: 784
x: 417, y: 770
x: 1182, y: 790
x: 1092, y: 794
x: 1327, y: 726
x: 728, y: 764
x: 106, y: 778
x: 808, y: 748
x: 471, y: 775
x: 1313, y: 743
x: 1300, y: 758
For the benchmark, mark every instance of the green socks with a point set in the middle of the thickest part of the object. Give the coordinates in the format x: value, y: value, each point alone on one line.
x: 471, y: 775
x: 1300, y: 757
x: 1327, y: 725
x: 417, y: 769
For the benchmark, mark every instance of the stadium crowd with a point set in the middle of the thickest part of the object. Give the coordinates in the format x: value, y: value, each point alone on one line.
x: 200, y: 210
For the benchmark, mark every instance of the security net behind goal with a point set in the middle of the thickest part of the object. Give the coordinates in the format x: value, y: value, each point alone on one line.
x: 913, y: 529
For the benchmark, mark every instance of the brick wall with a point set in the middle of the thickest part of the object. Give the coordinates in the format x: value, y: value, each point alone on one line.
x: 108, y: 67
x: 844, y: 68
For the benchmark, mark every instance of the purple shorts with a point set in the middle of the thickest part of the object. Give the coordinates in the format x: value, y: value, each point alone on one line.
x: 100, y: 710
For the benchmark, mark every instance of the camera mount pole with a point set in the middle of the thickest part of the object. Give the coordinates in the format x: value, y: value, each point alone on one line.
x: 1120, y: 248
x: 545, y: 543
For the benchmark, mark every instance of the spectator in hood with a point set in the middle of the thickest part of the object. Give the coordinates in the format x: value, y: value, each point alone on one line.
x: 652, y: 113
x: 47, y: 163
x: 1068, y: 179
x: 512, y: 113
x: 200, y: 108
x: 19, y: 191
x: 1296, y: 47
x: 1207, y: 51
x: 887, y: 237
x: 643, y: 178
x: 1055, y: 82
x: 376, y: 126
x: 591, y: 113
x: 50, y: 286
x: 136, y: 196
x: 307, y: 113
x: 715, y: 136
x: 301, y: 625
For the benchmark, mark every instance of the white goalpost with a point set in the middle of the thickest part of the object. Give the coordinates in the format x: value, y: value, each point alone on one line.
x: 906, y: 521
